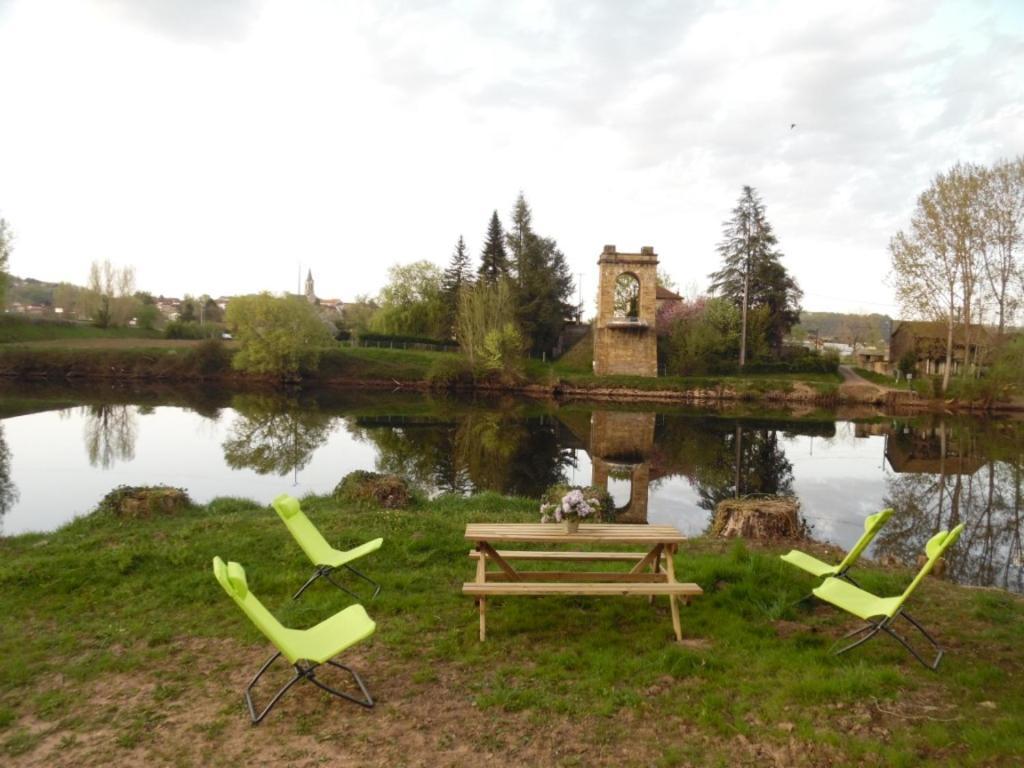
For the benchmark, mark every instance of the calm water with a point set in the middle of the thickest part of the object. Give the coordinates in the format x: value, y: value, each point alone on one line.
x: 62, y: 450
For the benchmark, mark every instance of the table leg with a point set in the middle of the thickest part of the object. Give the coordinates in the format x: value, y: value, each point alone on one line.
x: 481, y: 577
x: 670, y: 571
x: 655, y: 568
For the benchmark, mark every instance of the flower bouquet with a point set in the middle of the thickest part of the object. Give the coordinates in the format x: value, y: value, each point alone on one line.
x: 573, y: 508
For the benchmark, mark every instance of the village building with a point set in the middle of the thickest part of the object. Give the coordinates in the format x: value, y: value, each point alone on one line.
x: 926, y: 340
x: 873, y: 359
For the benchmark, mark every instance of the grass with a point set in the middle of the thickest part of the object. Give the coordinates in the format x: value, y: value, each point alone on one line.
x: 14, y: 329
x: 104, y: 601
x: 882, y: 379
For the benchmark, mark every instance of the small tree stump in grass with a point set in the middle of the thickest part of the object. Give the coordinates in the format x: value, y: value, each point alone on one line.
x: 145, y: 501
x: 762, y: 518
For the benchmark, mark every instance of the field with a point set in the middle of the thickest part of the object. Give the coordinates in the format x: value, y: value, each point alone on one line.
x: 118, y: 647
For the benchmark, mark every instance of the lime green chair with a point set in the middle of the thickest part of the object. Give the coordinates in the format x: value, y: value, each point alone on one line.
x: 305, y: 649
x: 872, y: 525
x: 880, y: 612
x: 325, y: 557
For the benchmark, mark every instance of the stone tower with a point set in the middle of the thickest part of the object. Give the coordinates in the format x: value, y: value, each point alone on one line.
x: 310, y: 293
x: 625, y: 341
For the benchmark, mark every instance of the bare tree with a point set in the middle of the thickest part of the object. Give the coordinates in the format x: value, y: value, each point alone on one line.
x: 937, y: 265
x: 1003, y: 209
x: 110, y: 294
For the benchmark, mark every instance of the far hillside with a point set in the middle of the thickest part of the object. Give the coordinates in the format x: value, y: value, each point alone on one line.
x: 28, y: 290
x: 846, y: 328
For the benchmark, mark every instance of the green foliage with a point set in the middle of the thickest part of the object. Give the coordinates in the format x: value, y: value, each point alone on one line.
x: 413, y: 302
x: 502, y: 350
x: 278, y: 336
x: 374, y: 489
x: 6, y: 246
x: 458, y: 274
x: 493, y: 258
x: 748, y: 250
x: 210, y: 358
x: 450, y: 372
x: 189, y: 329
x: 543, y: 283
x: 487, y: 331
x: 147, y: 316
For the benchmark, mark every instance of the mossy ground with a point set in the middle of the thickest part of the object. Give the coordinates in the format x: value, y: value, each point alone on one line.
x: 118, y: 646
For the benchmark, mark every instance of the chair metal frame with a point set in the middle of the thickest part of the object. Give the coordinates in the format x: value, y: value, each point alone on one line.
x: 304, y: 670
x: 325, y: 571
x: 872, y: 628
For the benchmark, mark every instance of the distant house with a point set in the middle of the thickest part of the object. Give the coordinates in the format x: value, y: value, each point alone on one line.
x: 664, y: 297
x: 873, y: 358
x: 926, y: 341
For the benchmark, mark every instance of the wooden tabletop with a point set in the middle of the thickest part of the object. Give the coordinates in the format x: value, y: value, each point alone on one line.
x: 611, y: 533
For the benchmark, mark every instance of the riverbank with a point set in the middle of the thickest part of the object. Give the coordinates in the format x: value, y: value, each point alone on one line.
x: 159, y: 360
x: 118, y: 646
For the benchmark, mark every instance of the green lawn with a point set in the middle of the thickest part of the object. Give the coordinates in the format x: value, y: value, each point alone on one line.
x: 20, y: 329
x: 882, y: 379
x: 118, y: 646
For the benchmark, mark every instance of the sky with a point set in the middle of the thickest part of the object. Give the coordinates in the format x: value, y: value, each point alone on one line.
x: 221, y: 146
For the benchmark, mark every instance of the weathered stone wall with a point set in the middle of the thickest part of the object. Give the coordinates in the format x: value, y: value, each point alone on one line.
x: 622, y: 347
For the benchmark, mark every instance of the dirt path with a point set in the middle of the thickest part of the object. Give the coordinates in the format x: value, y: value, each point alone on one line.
x: 856, y: 387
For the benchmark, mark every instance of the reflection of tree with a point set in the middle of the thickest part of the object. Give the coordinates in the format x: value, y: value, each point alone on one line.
x: 8, y: 491
x: 748, y: 461
x: 109, y: 434
x: 481, y: 450
x: 987, y: 500
x: 274, y: 435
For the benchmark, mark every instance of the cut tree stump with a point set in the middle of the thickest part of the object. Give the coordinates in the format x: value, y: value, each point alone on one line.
x: 762, y: 518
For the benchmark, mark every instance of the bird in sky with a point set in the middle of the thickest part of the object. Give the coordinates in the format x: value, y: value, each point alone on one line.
x: 792, y: 126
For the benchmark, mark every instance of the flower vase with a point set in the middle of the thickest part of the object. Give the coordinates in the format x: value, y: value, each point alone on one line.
x: 572, y: 525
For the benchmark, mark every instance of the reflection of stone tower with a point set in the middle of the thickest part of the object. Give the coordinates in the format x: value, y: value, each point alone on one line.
x: 620, y: 447
x: 310, y: 293
x: 624, y: 333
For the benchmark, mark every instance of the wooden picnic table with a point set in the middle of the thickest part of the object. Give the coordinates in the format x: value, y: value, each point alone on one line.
x: 660, y: 541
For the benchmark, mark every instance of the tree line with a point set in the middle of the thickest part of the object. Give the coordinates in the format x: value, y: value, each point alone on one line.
x: 959, y: 261
x: 515, y: 300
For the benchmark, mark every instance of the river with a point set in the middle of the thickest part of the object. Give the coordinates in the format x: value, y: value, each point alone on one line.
x: 62, y: 449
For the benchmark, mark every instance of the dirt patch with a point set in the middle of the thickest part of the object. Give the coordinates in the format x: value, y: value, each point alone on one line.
x: 189, y: 711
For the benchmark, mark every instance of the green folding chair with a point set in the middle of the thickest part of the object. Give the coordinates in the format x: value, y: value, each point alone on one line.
x: 305, y: 649
x: 325, y: 557
x: 880, y: 613
x: 872, y: 525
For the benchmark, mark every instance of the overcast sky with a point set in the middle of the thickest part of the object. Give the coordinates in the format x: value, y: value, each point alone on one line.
x: 217, y: 144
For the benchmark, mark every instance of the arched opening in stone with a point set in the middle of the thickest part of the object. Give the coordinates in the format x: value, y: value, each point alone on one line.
x: 627, y: 296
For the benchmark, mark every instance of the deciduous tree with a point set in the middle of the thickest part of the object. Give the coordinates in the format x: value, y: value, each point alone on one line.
x: 278, y: 336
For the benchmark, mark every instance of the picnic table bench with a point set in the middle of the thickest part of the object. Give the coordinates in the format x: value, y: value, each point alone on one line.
x: 661, y: 542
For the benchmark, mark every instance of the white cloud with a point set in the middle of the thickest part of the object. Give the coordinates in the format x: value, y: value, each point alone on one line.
x: 216, y: 145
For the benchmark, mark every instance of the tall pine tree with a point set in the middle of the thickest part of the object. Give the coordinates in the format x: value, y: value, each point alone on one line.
x: 456, y: 276
x: 493, y: 259
x: 543, y: 281
x: 752, y: 274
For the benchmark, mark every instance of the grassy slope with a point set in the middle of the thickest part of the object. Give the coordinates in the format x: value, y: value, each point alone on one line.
x: 17, y: 329
x: 103, y: 599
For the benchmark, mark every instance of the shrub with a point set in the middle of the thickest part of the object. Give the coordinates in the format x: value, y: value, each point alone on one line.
x: 605, y: 504
x: 187, y: 329
x: 277, y: 336
x: 209, y: 357
x: 374, y: 489
x: 450, y: 373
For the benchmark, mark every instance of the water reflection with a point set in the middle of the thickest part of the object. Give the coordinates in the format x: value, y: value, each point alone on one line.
x: 273, y: 435
x: 8, y: 490
x: 110, y: 432
x: 667, y: 466
x: 943, y: 477
x: 506, y: 451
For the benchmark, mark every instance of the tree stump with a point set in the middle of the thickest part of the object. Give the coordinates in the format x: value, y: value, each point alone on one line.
x: 145, y: 501
x: 760, y: 518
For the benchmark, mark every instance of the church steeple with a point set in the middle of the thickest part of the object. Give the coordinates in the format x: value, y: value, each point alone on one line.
x: 310, y: 293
